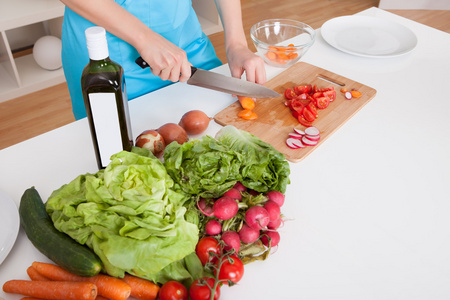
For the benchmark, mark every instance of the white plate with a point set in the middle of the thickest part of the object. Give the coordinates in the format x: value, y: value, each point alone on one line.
x: 368, y: 36
x: 9, y: 224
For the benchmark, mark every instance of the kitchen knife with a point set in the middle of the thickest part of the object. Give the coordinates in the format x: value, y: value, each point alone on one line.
x: 222, y: 83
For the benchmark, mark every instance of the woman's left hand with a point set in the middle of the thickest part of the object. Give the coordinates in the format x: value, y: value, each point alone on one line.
x: 241, y: 59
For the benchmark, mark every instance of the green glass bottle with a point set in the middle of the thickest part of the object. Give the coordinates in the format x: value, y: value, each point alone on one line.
x: 105, y: 99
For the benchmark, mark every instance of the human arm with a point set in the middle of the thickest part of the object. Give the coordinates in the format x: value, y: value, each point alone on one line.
x: 240, y: 58
x: 165, y: 59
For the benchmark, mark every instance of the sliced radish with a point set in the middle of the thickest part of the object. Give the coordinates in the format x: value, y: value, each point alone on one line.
x: 294, y: 143
x: 313, y: 137
x: 299, y: 131
x: 295, y: 135
x: 348, y: 95
x: 308, y: 142
x: 312, y: 131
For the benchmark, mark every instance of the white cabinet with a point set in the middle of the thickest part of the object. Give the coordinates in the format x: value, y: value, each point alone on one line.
x: 20, y: 76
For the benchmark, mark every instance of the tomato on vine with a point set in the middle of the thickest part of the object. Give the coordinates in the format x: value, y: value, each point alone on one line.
x: 173, y: 290
x: 231, y: 269
x: 205, y: 247
x: 201, y: 289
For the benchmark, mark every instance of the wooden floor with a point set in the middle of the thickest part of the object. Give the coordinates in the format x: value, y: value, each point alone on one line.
x: 39, y: 112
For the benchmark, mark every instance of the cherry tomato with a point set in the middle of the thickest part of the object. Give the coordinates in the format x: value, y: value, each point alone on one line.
x: 201, y: 289
x: 302, y: 89
x: 303, y: 122
x: 231, y: 270
x: 308, y: 115
x: 296, y: 105
x: 322, y: 102
x: 205, y: 246
x: 312, y: 108
x: 289, y: 94
x: 173, y: 290
x: 330, y: 94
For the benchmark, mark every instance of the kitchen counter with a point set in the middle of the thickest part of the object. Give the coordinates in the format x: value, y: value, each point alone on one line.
x: 367, y: 211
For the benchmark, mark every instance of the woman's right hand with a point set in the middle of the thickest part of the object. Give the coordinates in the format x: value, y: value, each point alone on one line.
x: 165, y: 59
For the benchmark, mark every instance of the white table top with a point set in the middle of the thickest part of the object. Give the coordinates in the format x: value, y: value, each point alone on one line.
x: 369, y: 210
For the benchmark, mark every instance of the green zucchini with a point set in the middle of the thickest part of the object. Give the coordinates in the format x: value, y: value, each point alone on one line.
x: 56, y: 245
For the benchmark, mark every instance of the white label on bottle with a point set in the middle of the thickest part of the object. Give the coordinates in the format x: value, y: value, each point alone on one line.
x: 107, y: 127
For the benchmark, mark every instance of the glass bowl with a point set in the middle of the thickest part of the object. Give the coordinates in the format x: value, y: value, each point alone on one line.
x: 282, y: 42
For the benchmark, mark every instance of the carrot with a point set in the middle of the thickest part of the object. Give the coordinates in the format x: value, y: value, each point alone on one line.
x: 99, y: 297
x: 35, y: 275
x: 108, y: 286
x: 247, y: 114
x: 141, y: 289
x: 247, y: 102
x: 33, y: 298
x: 52, y: 289
x: 111, y: 287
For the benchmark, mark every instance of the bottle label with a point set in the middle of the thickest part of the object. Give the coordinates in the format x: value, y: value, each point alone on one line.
x: 105, y: 119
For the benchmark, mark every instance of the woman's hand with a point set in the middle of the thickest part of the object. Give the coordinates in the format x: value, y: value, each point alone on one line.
x: 241, y: 59
x: 165, y: 59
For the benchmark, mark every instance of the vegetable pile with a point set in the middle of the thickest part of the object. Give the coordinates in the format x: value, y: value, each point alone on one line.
x: 182, y: 228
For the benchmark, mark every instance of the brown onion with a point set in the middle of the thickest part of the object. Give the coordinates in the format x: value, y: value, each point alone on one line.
x: 173, y: 132
x: 195, y: 122
x: 151, y: 140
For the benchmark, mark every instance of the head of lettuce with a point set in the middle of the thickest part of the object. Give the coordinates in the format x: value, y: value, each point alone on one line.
x: 130, y: 216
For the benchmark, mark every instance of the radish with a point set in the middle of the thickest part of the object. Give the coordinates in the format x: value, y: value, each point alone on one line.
x: 313, y: 137
x: 308, y: 142
x: 257, y: 217
x: 348, y: 95
x: 274, y: 237
x: 276, y: 197
x: 299, y: 131
x: 225, y: 208
x: 204, y: 207
x: 240, y: 187
x: 233, y: 193
x: 248, y: 235
x: 294, y: 143
x: 312, y: 131
x: 273, y: 209
x: 213, y: 227
x: 295, y: 135
x: 231, y: 240
x: 274, y: 225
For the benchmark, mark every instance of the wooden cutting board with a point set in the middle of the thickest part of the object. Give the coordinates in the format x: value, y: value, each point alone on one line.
x: 275, y: 121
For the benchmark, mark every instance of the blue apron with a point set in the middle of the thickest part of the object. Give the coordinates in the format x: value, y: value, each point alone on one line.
x: 173, y: 19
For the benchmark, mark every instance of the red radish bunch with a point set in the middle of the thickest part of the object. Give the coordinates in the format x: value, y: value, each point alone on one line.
x: 302, y: 138
x: 243, y: 216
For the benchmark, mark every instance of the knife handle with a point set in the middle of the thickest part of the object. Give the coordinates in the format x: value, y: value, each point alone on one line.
x: 143, y: 64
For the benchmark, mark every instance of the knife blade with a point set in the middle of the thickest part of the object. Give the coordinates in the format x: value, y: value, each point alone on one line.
x: 222, y: 83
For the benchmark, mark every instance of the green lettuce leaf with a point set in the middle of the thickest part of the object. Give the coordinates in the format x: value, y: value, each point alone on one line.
x: 130, y: 215
x: 210, y: 166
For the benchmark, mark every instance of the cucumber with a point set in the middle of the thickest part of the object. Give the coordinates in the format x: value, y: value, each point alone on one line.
x: 56, y: 245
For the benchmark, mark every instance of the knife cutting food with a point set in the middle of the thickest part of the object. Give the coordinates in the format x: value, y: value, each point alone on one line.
x: 152, y: 38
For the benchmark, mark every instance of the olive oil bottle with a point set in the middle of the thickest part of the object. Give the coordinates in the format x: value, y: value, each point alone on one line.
x: 105, y: 99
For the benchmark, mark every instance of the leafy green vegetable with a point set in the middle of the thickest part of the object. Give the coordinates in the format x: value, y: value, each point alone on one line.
x: 130, y: 215
x: 209, y: 167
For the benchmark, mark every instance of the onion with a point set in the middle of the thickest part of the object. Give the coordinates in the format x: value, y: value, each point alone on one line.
x: 173, y: 132
x: 151, y: 140
x: 194, y: 122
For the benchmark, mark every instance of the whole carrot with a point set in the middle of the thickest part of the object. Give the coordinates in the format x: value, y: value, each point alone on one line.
x: 108, y: 286
x: 52, y: 290
x: 35, y: 275
x: 141, y: 289
x: 111, y: 287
